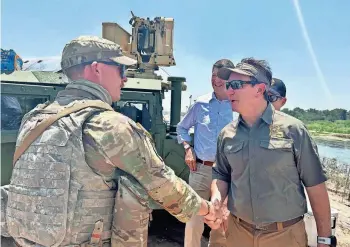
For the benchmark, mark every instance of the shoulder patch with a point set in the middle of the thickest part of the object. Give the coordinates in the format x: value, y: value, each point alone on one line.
x: 276, y: 131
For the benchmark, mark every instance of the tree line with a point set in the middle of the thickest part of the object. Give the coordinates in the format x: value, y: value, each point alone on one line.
x: 311, y: 114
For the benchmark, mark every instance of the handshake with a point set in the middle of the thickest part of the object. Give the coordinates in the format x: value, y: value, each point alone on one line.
x: 217, y: 215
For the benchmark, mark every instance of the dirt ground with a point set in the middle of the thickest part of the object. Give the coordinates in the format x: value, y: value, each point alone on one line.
x: 343, y: 225
x: 159, y: 242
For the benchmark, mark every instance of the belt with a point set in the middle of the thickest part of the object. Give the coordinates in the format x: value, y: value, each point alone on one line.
x: 275, y: 226
x: 206, y: 163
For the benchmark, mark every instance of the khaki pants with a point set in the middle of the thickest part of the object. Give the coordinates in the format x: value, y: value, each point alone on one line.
x: 239, y: 235
x: 200, y: 181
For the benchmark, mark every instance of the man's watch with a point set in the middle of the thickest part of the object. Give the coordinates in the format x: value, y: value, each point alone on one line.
x: 331, y: 241
x: 187, y: 146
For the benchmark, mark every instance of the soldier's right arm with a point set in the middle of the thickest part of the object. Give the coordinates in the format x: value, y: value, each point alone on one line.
x: 125, y: 145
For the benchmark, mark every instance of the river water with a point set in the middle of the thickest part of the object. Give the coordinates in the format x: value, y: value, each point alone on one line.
x: 339, y: 149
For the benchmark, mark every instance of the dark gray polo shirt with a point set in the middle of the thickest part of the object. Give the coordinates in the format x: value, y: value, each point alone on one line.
x: 265, y: 166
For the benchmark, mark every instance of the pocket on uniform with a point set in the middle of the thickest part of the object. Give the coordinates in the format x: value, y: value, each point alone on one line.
x: 277, y: 153
x: 234, y: 155
x: 233, y: 148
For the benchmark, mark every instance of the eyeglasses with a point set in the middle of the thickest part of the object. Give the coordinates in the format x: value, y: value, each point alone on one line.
x: 122, y: 67
x: 238, y: 84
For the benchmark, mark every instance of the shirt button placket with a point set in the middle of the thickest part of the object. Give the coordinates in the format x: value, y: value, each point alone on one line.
x: 253, y: 182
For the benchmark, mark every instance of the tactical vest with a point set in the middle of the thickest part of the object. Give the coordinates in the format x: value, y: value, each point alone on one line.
x: 54, y: 197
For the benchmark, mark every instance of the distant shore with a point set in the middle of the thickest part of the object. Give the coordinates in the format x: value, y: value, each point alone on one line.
x: 330, y: 135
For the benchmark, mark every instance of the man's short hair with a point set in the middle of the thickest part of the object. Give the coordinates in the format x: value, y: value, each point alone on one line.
x: 262, y: 64
x: 223, y: 63
x: 75, y: 70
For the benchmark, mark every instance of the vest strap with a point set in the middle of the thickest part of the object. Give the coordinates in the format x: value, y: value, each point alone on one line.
x: 96, y: 234
x: 35, y: 133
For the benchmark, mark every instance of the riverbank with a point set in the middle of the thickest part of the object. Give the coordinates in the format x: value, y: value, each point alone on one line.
x: 330, y: 136
x: 323, y: 126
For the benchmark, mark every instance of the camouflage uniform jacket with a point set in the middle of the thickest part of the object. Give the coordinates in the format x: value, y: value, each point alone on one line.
x: 113, y: 141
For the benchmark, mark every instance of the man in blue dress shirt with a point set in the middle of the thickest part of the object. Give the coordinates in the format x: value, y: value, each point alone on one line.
x: 208, y: 115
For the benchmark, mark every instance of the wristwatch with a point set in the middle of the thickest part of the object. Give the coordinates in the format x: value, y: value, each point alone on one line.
x: 187, y: 146
x: 331, y: 241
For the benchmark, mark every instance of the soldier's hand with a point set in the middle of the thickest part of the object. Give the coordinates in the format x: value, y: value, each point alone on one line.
x: 215, y: 217
x: 190, y: 159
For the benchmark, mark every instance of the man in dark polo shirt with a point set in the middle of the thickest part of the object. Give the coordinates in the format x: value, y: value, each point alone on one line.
x: 263, y: 159
x: 277, y: 93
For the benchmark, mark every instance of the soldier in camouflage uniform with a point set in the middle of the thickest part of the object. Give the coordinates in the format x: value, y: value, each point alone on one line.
x: 89, y: 179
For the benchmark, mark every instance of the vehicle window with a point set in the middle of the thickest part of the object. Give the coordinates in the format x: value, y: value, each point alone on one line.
x: 136, y: 110
x: 13, y: 108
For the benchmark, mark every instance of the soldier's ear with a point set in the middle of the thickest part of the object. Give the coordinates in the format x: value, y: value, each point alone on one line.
x: 96, y: 68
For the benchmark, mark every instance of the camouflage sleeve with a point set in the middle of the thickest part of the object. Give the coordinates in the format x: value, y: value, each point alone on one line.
x: 127, y: 146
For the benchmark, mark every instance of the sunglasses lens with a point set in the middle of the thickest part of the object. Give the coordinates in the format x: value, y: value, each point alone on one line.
x: 234, y: 85
x: 122, y: 71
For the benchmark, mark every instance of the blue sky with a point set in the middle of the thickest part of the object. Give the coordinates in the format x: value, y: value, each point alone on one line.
x: 204, y: 33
